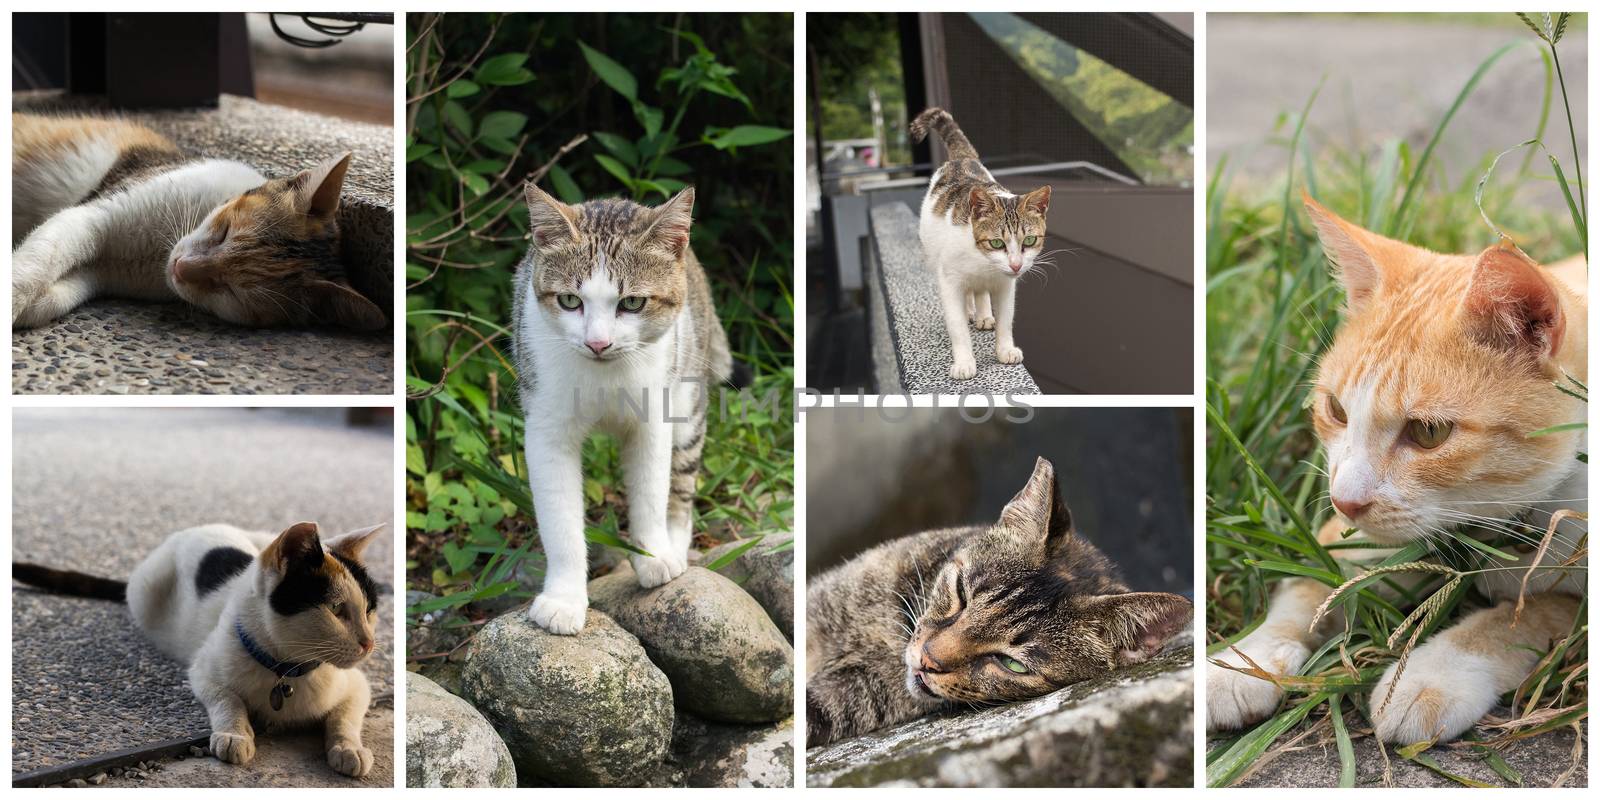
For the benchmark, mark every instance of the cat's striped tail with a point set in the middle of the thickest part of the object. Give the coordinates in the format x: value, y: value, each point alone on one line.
x: 938, y: 119
x: 66, y: 582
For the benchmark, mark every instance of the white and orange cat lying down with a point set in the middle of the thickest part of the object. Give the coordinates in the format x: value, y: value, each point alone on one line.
x: 107, y: 207
x: 1424, y: 401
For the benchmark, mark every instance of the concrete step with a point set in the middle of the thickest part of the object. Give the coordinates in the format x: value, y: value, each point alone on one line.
x: 910, y: 347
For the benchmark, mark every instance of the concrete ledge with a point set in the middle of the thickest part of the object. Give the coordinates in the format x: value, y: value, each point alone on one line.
x: 908, y: 321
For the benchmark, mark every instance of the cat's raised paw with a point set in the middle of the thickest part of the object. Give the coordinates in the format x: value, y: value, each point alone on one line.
x: 656, y: 570
x: 1008, y: 354
x: 352, y: 760
x: 234, y: 748
x: 560, y: 614
x: 1441, y: 695
x: 963, y: 369
x: 984, y: 323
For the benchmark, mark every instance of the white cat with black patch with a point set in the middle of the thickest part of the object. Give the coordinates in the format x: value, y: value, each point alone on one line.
x: 272, y: 629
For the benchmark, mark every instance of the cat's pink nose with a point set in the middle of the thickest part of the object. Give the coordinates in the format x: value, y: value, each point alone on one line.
x: 929, y: 663
x: 598, y: 345
x: 1350, y: 508
x: 183, y: 269
x: 1016, y: 267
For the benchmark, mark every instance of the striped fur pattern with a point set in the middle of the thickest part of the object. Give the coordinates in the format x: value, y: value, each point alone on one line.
x: 107, y: 207
x: 968, y: 617
x: 299, y: 597
x: 1424, y: 402
x: 978, y: 239
x: 612, y: 308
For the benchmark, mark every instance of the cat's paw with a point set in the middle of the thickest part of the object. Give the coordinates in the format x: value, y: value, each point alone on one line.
x: 1441, y: 695
x: 234, y: 748
x: 653, y: 571
x: 561, y: 614
x: 1008, y: 354
x: 963, y: 368
x: 352, y: 760
x: 983, y: 323
x: 1234, y: 699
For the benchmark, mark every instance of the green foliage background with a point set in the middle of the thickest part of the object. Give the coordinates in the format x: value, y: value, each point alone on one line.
x: 588, y: 105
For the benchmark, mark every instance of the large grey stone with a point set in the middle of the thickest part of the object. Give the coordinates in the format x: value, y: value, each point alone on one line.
x: 448, y: 742
x: 726, y: 659
x: 906, y: 290
x: 585, y: 710
x: 718, y: 755
x: 766, y: 571
x: 1132, y: 727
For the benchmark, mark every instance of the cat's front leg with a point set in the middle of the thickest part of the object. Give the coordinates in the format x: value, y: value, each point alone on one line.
x: 953, y: 298
x: 72, y: 290
x: 232, y: 739
x: 342, y: 733
x: 1005, y: 310
x: 1280, y: 645
x: 1453, y: 679
x: 984, y: 318
x: 555, y: 476
x: 647, y: 469
x: 67, y: 240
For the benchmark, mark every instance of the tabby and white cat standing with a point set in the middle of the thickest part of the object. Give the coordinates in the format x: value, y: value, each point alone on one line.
x: 973, y: 616
x: 979, y: 240
x: 272, y: 629
x: 611, y: 307
x: 106, y: 207
x: 1441, y: 368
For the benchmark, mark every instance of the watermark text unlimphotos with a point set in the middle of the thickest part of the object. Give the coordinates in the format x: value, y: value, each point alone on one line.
x: 682, y: 402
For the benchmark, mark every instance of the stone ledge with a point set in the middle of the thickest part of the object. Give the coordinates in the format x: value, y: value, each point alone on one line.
x: 908, y: 321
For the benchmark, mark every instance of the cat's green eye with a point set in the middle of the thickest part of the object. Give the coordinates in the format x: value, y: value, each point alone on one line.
x: 631, y: 304
x: 1428, y: 435
x: 569, y: 302
x: 1029, y: 241
x: 1336, y: 411
x: 997, y: 244
x: 1014, y: 665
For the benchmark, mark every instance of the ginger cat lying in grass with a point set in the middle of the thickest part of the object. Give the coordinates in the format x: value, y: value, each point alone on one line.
x: 1442, y: 366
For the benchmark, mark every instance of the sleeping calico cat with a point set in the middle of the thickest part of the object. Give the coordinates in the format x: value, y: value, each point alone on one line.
x: 106, y: 207
x: 272, y: 629
x: 1007, y: 612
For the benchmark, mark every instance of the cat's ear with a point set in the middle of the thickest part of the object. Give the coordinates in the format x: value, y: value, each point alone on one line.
x: 981, y: 201
x: 1349, y: 248
x: 352, y: 544
x: 551, y: 222
x: 1038, y: 200
x: 320, y: 187
x: 338, y: 304
x: 669, y: 229
x: 1135, y: 625
x: 1513, y: 304
x: 299, y: 545
x: 1039, y: 509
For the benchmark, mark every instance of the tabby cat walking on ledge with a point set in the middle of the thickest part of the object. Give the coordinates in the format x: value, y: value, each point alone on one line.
x: 611, y: 306
x: 975, y: 615
x: 106, y: 207
x: 979, y: 240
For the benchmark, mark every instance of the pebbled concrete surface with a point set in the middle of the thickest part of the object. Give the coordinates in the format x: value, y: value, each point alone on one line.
x: 1540, y: 760
x: 915, y: 320
x: 96, y: 489
x: 116, y: 335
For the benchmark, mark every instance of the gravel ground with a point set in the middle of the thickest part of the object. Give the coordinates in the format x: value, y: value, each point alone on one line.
x: 1384, y: 78
x: 124, y: 347
x: 96, y: 489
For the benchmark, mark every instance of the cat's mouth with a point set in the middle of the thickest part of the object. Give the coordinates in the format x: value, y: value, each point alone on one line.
x: 919, y: 686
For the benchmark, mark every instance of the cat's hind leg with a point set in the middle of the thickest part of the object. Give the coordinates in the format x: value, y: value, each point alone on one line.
x: 555, y: 476
x: 70, y: 291
x: 688, y: 442
x: 983, y: 320
x: 66, y: 241
x: 1453, y: 679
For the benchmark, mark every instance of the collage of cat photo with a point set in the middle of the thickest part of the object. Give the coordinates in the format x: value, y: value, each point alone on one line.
x: 797, y: 398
